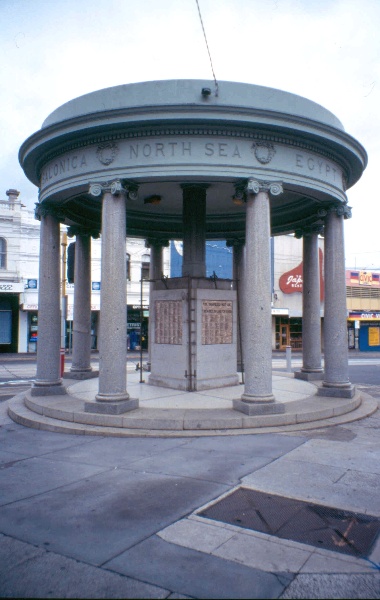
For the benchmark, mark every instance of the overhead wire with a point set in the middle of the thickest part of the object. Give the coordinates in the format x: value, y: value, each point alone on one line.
x: 208, y: 49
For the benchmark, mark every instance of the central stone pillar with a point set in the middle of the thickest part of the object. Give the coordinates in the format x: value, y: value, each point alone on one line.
x: 336, y: 380
x: 194, y: 230
x: 112, y: 397
x: 311, y: 308
x: 81, y: 362
x: 48, y: 379
x: 258, y: 396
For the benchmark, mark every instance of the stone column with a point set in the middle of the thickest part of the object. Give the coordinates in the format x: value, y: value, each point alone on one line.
x: 311, y: 308
x: 258, y: 396
x: 155, y: 273
x: 238, y: 276
x: 336, y: 380
x: 112, y: 397
x: 81, y: 360
x: 48, y: 380
x: 194, y: 230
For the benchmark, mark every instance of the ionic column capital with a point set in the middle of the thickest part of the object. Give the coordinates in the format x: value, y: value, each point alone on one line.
x: 235, y: 242
x: 315, y: 228
x: 75, y: 230
x: 42, y: 210
x: 156, y: 242
x: 117, y: 187
x: 254, y: 187
x: 341, y: 210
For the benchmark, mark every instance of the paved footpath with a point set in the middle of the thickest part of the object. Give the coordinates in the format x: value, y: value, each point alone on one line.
x: 84, y: 516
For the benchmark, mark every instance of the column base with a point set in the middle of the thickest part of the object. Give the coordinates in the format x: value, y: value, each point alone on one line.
x: 259, y: 407
x: 80, y: 374
x: 309, y: 375
x: 336, y: 390
x: 111, y: 407
x: 48, y: 389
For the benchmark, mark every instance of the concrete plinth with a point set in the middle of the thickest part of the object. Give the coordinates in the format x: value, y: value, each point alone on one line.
x: 309, y: 375
x: 269, y: 407
x: 111, y: 408
x: 48, y: 390
x: 337, y: 391
x: 80, y: 374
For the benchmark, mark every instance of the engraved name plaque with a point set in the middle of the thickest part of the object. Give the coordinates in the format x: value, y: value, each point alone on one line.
x: 168, y: 326
x: 216, y: 322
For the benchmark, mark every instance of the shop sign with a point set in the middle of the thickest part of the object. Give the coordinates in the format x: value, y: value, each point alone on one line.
x: 292, y: 281
x: 31, y: 284
x: 280, y: 311
x: 364, y: 316
x: 95, y: 286
x: 9, y: 287
x: 364, y: 278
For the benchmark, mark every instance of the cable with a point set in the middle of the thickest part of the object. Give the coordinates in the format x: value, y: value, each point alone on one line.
x: 208, y: 50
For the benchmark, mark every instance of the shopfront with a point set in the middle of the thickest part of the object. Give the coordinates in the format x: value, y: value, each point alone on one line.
x: 363, y: 330
x: 9, y: 322
x: 288, y: 333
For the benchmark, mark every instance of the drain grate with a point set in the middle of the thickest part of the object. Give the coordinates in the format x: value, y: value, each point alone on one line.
x: 320, y: 526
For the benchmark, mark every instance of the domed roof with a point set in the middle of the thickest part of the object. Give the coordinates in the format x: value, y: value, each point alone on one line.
x: 188, y: 93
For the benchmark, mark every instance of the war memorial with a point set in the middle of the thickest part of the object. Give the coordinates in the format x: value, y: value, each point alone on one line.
x: 187, y: 160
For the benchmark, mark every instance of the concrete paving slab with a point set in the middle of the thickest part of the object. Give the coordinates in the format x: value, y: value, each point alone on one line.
x: 258, y: 550
x: 195, y: 573
x: 113, y: 452
x: 10, y: 457
x: 339, y: 455
x: 214, y: 466
x: 29, y: 572
x: 333, y: 563
x: 266, y: 555
x: 317, y: 483
x: 33, y: 443
x: 102, y: 515
x: 353, y: 586
x: 203, y: 537
x: 33, y: 476
x: 268, y: 444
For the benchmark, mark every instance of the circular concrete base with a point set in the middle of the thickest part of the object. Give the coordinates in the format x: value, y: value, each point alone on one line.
x: 172, y: 413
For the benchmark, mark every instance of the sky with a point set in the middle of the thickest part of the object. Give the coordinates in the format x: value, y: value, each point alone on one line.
x: 328, y: 51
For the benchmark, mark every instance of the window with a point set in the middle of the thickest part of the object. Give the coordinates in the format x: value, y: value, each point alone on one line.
x: 145, y: 262
x: 3, y: 253
x: 128, y: 263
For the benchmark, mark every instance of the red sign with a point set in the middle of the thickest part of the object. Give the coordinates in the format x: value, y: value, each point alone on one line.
x: 292, y: 281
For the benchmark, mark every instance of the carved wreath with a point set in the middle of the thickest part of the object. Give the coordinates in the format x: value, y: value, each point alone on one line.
x: 107, y: 152
x: 263, y: 151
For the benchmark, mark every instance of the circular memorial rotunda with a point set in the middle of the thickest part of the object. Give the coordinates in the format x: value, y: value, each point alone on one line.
x: 184, y: 160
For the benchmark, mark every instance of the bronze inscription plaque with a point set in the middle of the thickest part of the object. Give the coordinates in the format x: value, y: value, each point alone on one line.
x: 216, y: 322
x: 168, y: 327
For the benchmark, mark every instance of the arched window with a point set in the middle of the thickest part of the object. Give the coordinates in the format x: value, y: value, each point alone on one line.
x: 3, y: 253
x: 128, y: 258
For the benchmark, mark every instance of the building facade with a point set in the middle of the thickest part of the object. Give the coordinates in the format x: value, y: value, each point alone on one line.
x: 19, y: 259
x: 19, y: 274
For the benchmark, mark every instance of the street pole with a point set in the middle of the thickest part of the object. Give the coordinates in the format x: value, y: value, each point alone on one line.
x: 63, y: 300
